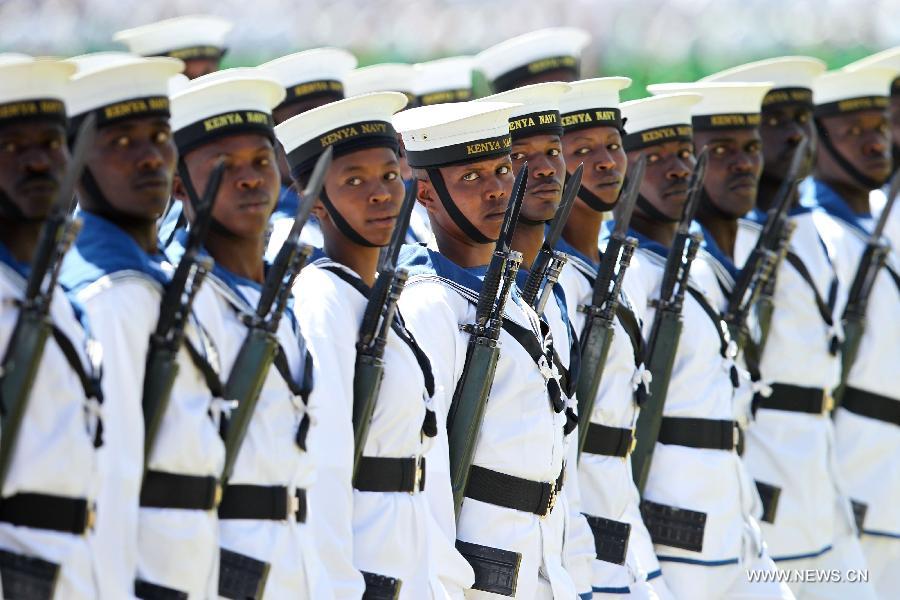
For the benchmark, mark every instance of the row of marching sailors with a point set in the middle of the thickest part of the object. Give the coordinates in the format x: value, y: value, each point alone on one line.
x: 537, y: 520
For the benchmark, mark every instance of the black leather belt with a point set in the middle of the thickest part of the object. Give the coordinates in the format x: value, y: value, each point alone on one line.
x: 377, y: 474
x: 42, y: 511
x: 713, y: 434
x: 794, y: 398
x: 189, y: 492
x: 508, y: 491
x: 871, y: 405
x: 260, y: 502
x: 609, y: 441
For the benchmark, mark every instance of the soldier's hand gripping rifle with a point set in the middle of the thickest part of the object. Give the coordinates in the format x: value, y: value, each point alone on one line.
x: 377, y: 321
x: 665, y: 332
x: 174, y: 310
x: 596, y: 337
x: 33, y: 326
x: 549, y: 263
x: 474, y: 386
x: 771, y: 244
x: 257, y: 352
x: 871, y: 262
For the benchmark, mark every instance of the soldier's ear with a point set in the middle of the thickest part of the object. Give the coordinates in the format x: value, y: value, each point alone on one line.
x: 425, y: 194
x: 178, y: 191
x: 318, y: 209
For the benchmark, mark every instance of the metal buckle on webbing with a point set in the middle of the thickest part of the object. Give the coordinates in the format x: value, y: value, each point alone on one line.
x: 217, y: 496
x: 90, y: 517
x: 827, y: 402
x: 293, y: 504
x: 419, y: 473
x: 551, y: 501
x: 735, y: 435
x: 633, y: 444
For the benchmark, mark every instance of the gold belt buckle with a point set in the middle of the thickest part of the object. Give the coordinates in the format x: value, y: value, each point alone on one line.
x: 552, y: 502
x: 90, y: 517
x: 827, y: 402
x: 217, y: 496
x: 633, y: 444
x: 293, y: 505
x: 417, y: 477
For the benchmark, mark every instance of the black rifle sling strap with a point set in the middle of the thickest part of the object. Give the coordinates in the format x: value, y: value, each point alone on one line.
x: 721, y: 329
x: 89, y: 382
x: 826, y: 308
x: 525, y: 337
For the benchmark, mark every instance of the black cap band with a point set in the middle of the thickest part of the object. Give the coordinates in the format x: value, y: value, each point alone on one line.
x: 537, y: 123
x: 726, y: 121
x: 445, y: 97
x: 592, y: 117
x: 794, y: 95
x: 658, y: 135
x: 851, y: 105
x: 512, y: 79
x: 229, y: 123
x: 309, y: 90
x: 195, y: 52
x: 349, y: 138
x: 135, y: 108
x: 465, y: 152
x: 38, y: 108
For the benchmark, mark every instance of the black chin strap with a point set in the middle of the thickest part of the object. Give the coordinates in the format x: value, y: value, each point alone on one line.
x: 653, y: 212
x: 437, y: 180
x: 342, y: 224
x: 841, y: 160
x: 9, y: 209
x: 104, y: 208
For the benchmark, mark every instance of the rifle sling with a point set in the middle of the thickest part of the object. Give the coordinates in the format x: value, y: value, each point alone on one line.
x: 90, y: 383
x: 826, y: 309
x: 629, y: 323
x: 210, y: 376
x: 539, y: 354
x: 397, y: 325
x: 721, y: 329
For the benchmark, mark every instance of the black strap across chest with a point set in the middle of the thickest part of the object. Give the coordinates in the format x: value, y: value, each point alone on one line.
x: 826, y: 308
x: 397, y: 326
x: 721, y: 329
x: 539, y: 354
x: 90, y: 382
x: 629, y: 322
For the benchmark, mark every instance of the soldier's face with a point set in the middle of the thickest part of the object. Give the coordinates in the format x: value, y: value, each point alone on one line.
x: 480, y: 190
x: 864, y: 139
x: 546, y: 173
x: 133, y: 163
x: 366, y: 190
x: 665, y: 184
x: 33, y: 157
x: 249, y: 189
x: 732, y: 173
x: 783, y: 128
x: 197, y: 67
x: 605, y: 162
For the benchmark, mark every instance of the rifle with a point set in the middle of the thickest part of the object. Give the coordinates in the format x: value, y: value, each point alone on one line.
x: 376, y: 325
x: 873, y: 258
x: 597, y: 335
x: 175, y: 307
x: 257, y: 352
x: 665, y: 332
x: 771, y: 244
x: 549, y: 263
x: 474, y: 386
x: 33, y: 326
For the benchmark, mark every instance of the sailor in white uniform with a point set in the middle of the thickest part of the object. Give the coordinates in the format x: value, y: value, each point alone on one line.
x: 48, y: 506
x: 395, y: 540
x: 593, y: 136
x: 696, y: 473
x: 441, y: 81
x: 117, y: 271
x: 789, y: 448
x: 889, y: 58
x: 263, y: 515
x: 507, y: 528
x: 535, y: 130
x: 851, y: 108
x: 310, y: 78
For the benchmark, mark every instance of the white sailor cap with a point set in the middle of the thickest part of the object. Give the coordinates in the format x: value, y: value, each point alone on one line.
x: 657, y: 120
x: 224, y: 103
x: 349, y: 125
x: 444, y: 80
x: 187, y: 37
x: 384, y: 77
x: 118, y: 85
x: 11, y: 57
x: 592, y: 103
x: 843, y: 91
x: 33, y: 88
x: 889, y: 58
x: 791, y: 78
x: 725, y: 105
x: 510, y: 62
x: 316, y: 73
x: 445, y: 134
x: 537, y: 112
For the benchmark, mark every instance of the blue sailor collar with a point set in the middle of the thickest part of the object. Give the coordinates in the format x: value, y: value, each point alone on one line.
x: 647, y: 244
x: 6, y: 257
x: 103, y: 249
x: 558, y: 293
x: 422, y: 261
x: 709, y: 244
x: 820, y: 196
x: 564, y: 246
x: 760, y: 216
